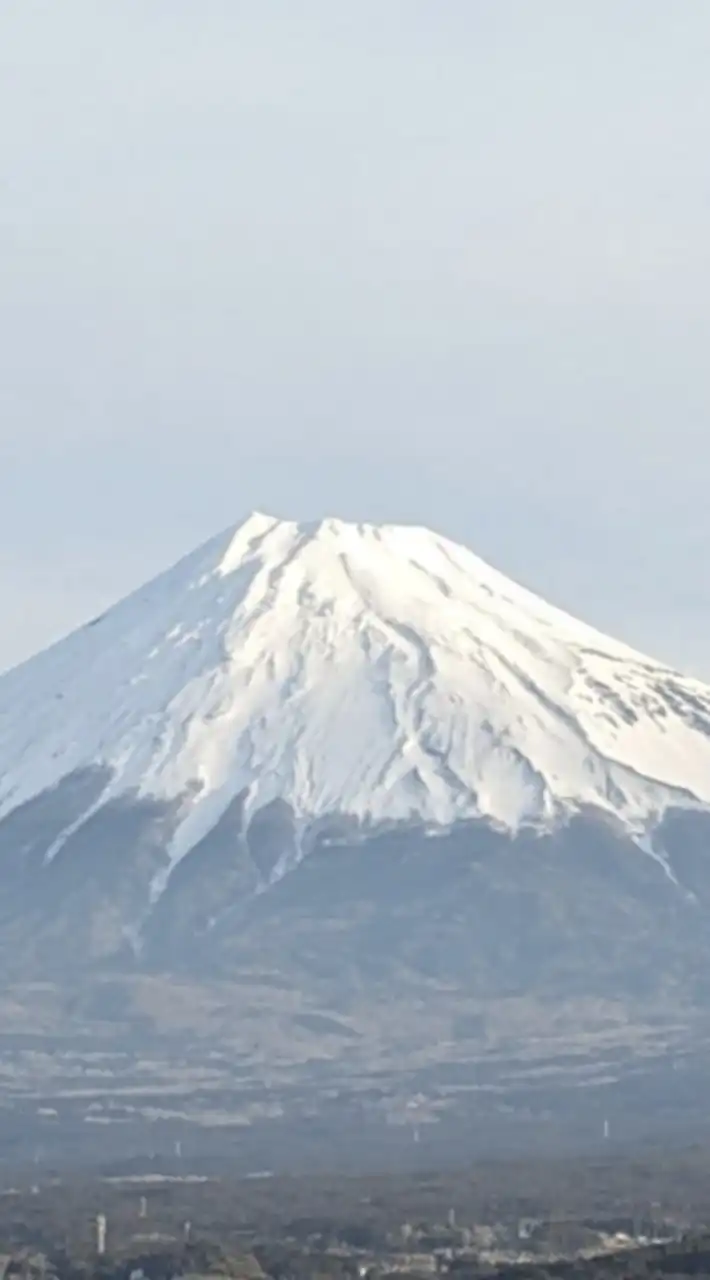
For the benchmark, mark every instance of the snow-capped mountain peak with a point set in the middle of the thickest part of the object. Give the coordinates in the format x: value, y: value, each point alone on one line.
x: 375, y: 673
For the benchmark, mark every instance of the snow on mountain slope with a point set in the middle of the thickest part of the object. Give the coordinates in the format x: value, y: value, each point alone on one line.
x: 380, y: 672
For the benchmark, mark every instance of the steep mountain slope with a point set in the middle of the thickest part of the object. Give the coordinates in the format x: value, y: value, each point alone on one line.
x: 339, y: 805
x: 375, y: 675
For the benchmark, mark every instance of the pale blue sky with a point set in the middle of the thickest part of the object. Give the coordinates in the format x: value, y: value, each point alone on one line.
x: 392, y: 260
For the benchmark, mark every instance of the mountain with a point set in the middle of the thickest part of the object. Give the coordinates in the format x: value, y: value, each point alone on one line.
x: 348, y: 803
x: 372, y: 675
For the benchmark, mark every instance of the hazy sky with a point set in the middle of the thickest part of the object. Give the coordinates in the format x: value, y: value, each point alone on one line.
x: 394, y: 260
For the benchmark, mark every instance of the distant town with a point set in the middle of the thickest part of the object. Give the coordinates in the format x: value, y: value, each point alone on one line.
x: 158, y: 1226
